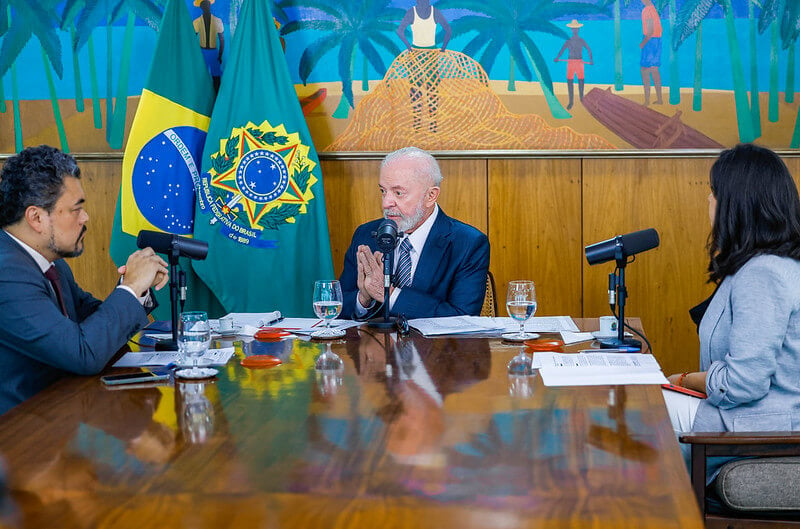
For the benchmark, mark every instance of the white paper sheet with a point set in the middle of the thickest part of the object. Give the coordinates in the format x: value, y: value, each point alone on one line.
x: 212, y: 357
x: 455, y: 325
x: 597, y: 369
x: 250, y: 322
x: 540, y: 324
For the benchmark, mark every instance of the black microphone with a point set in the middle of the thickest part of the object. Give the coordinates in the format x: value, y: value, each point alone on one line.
x: 622, y: 246
x: 386, y: 235
x: 165, y: 242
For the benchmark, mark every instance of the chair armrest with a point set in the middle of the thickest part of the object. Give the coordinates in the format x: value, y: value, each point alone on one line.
x: 745, y: 443
x: 759, y: 444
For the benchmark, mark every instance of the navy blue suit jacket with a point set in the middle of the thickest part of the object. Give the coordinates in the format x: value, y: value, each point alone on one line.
x: 38, y: 344
x: 450, y: 278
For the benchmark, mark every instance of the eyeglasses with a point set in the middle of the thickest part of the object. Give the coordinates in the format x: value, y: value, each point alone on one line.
x: 403, y: 329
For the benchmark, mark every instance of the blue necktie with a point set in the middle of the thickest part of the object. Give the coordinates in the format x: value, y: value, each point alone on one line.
x: 402, y: 276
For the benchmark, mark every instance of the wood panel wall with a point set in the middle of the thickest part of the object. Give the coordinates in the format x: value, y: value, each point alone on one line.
x: 539, y: 214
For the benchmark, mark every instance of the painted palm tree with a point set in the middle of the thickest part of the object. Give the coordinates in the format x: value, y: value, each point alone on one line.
x: 71, y: 10
x: 508, y: 24
x: 689, y: 19
x: 23, y: 20
x: 350, y: 26
x: 755, y: 93
x: 89, y: 14
x: 617, y: 14
x: 782, y: 18
x: 788, y: 12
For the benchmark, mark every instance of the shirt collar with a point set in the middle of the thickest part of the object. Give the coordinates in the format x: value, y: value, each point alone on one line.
x: 41, y: 260
x: 418, y: 237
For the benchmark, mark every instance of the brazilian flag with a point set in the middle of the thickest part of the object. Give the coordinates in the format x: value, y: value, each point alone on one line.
x: 261, y: 204
x: 161, y: 165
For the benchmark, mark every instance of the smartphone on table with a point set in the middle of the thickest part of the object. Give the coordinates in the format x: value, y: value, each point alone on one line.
x: 136, y: 378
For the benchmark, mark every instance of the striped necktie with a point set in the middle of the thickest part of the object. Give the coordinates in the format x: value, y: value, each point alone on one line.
x: 52, y: 276
x: 402, y: 276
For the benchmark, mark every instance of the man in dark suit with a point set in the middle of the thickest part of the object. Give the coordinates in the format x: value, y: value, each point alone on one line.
x: 48, y: 325
x: 440, y: 263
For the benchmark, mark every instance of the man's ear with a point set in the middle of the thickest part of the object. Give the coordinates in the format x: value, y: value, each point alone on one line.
x: 35, y: 217
x: 432, y: 195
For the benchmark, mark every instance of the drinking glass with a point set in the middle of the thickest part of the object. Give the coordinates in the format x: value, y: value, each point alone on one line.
x: 197, y: 413
x: 327, y: 306
x: 328, y: 361
x: 194, y: 337
x: 521, y: 305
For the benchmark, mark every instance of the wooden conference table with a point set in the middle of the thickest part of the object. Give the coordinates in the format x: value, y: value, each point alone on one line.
x: 448, y: 442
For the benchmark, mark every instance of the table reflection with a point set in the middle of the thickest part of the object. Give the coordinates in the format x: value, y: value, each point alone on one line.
x: 196, y: 413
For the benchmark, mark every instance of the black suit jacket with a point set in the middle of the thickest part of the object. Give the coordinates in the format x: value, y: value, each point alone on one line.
x: 38, y: 344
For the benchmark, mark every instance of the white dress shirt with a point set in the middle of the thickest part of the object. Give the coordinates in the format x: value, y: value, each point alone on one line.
x: 44, y: 265
x: 417, y: 239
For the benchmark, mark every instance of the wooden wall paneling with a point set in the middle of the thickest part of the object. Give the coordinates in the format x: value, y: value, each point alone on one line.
x: 670, y: 195
x: 94, y: 270
x: 352, y: 197
x: 464, y: 194
x: 535, y: 230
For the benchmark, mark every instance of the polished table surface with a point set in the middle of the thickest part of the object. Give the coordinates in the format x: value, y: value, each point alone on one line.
x: 412, y: 433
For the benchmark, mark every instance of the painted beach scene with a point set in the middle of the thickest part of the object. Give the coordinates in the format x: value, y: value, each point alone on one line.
x: 445, y: 75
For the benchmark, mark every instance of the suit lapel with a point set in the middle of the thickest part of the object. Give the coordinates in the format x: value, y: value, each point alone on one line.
x: 714, y: 314
x: 430, y: 258
x: 12, y: 245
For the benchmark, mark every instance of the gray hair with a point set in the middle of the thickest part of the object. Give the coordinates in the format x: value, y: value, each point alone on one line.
x: 428, y: 170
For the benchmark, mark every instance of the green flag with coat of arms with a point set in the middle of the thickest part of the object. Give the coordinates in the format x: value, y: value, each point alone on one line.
x: 261, y: 204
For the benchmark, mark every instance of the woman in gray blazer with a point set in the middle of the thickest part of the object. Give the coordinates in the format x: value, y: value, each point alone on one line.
x: 750, y: 332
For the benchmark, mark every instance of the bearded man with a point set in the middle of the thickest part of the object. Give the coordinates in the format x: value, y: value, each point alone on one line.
x: 440, y: 263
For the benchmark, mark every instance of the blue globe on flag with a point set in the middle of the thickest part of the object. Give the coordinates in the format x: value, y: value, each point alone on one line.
x: 163, y: 178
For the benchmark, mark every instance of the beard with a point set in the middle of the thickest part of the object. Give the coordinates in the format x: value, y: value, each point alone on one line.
x: 406, y: 221
x: 75, y: 251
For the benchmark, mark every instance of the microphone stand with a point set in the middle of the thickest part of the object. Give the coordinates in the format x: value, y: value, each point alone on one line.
x: 388, y: 322
x: 622, y: 295
x: 172, y: 344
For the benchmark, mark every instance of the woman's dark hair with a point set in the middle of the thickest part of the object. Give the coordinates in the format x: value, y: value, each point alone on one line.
x: 758, y: 209
x: 34, y: 177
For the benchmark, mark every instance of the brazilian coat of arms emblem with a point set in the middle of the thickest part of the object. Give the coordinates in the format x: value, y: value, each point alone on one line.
x: 259, y: 181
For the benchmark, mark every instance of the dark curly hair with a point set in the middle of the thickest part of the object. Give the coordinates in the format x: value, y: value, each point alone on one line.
x: 34, y: 177
x: 758, y: 209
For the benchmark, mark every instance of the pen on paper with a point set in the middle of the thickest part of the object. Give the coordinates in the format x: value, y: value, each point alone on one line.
x: 263, y: 323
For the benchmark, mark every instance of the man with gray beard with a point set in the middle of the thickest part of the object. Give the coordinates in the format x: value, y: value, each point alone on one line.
x: 440, y: 264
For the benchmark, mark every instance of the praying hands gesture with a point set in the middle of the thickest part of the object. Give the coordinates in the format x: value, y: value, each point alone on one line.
x: 370, y: 276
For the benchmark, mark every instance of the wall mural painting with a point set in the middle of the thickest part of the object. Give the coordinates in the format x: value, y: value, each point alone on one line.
x: 374, y: 75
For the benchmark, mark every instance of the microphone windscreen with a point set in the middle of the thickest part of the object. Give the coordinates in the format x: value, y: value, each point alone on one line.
x: 639, y: 241
x: 158, y: 241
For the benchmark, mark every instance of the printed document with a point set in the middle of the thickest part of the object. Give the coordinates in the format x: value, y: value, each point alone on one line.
x: 484, y: 325
x: 597, y: 369
x: 212, y: 357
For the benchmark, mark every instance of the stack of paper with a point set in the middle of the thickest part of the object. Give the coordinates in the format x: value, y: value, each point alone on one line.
x: 484, y: 325
x: 456, y: 325
x: 250, y: 322
x: 597, y: 369
x: 212, y: 357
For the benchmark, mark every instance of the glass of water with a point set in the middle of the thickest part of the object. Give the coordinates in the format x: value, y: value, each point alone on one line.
x: 194, y: 337
x: 521, y: 305
x: 327, y: 306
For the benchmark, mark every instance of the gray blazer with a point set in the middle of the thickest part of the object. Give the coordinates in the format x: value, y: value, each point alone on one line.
x: 38, y: 344
x: 750, y: 347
